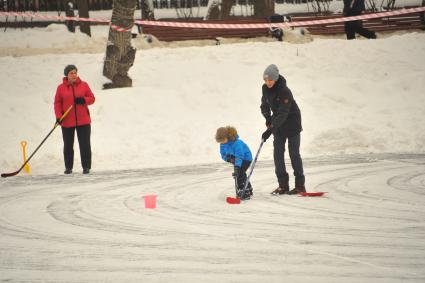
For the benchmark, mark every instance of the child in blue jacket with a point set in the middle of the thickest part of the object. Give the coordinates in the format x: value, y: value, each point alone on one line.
x: 235, y: 151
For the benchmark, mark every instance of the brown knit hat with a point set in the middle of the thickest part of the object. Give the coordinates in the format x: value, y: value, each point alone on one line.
x: 228, y: 132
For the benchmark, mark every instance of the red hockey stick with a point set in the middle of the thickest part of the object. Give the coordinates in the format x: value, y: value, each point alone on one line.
x: 4, y: 175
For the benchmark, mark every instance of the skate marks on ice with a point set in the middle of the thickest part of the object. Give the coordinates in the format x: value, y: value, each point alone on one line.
x: 368, y: 228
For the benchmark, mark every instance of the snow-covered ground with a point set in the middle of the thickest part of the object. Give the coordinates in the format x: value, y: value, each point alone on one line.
x: 363, y: 142
x: 355, y: 97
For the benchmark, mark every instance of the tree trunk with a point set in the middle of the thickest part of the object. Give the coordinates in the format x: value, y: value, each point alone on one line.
x: 147, y: 10
x: 226, y: 7
x: 213, y: 12
x: 119, y: 52
x: 263, y: 8
x: 83, y: 12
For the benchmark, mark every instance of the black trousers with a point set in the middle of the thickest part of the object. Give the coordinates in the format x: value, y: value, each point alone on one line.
x: 353, y: 27
x: 83, y: 134
x: 296, y: 161
x: 240, y: 182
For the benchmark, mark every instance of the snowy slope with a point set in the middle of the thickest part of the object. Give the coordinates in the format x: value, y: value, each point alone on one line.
x: 359, y: 96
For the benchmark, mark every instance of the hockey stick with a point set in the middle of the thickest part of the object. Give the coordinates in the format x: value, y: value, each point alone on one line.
x: 234, y: 200
x: 4, y: 175
x: 252, y: 168
x: 236, y: 185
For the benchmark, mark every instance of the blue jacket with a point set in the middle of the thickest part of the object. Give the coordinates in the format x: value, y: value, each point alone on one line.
x: 236, y: 148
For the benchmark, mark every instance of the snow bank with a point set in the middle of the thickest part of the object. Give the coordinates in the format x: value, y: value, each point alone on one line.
x: 355, y: 96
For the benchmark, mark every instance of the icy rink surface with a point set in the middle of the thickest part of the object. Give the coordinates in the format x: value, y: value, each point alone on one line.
x: 368, y: 228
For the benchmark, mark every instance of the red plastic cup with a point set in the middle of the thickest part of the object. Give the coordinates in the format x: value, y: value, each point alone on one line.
x: 150, y: 201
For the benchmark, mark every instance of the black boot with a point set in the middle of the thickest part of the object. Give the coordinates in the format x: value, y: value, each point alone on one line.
x: 281, y: 190
x: 244, y: 195
x: 298, y: 189
x: 68, y: 171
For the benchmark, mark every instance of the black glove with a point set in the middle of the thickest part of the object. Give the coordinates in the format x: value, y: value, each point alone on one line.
x: 268, y: 121
x: 230, y: 158
x: 79, y: 100
x: 266, y: 134
x: 58, y: 121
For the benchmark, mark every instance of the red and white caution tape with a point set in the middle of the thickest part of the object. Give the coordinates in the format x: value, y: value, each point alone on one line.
x: 282, y: 25
x: 63, y: 18
x: 221, y: 26
x: 50, y: 17
x: 121, y: 29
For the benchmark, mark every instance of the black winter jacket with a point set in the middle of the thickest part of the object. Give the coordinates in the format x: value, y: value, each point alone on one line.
x: 357, y: 9
x: 279, y: 107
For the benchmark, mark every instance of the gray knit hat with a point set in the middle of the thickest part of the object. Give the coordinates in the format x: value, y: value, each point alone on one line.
x: 271, y: 73
x: 68, y: 69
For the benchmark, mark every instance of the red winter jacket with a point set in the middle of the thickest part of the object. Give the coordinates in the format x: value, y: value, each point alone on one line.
x: 65, y: 94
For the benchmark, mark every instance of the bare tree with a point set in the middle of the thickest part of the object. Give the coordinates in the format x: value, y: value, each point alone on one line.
x: 213, y: 10
x: 119, y: 52
x: 385, y: 4
x: 321, y: 6
x: 263, y: 8
x: 390, y: 4
x: 219, y: 9
x: 185, y: 10
x: 146, y: 7
x: 226, y: 8
x: 371, y: 5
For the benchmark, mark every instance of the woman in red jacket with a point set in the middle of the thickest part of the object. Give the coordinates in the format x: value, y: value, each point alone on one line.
x: 75, y: 92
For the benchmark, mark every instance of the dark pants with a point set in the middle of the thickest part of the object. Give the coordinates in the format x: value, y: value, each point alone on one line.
x: 83, y: 134
x: 240, y: 182
x: 296, y: 161
x: 353, y: 27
